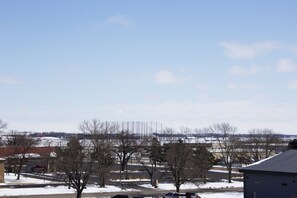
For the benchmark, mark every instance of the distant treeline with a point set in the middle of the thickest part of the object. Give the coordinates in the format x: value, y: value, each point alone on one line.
x: 64, y: 135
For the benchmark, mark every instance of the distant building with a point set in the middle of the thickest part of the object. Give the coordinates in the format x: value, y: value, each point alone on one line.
x: 37, y: 158
x: 272, y: 177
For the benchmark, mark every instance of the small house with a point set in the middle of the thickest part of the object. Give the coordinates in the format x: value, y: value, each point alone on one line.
x: 272, y: 177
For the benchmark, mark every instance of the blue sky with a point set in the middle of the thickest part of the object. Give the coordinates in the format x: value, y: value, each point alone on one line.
x: 180, y: 63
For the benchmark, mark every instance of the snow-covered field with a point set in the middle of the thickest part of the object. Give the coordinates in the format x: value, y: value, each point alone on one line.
x: 222, y: 195
x: 11, y: 179
x: 209, y: 185
x: 48, y: 190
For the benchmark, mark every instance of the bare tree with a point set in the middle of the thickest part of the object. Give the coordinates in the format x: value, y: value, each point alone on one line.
x: 262, y: 143
x: 97, y: 128
x: 150, y: 155
x: 168, y: 134
x: 3, y: 125
x: 186, y: 131
x: 100, y: 132
x: 202, y: 161
x: 76, y: 161
x: 179, y: 162
x: 104, y: 163
x: 227, y: 144
x: 21, y: 144
x: 155, y: 151
x: 127, y: 145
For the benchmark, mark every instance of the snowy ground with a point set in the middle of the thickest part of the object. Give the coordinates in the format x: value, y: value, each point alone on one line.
x: 48, y: 190
x: 222, y: 195
x: 11, y: 179
x: 209, y: 185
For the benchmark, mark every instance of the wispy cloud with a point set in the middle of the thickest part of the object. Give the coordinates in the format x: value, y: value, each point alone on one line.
x: 243, y: 114
x: 238, y: 50
x: 242, y: 86
x: 8, y: 80
x: 202, y: 86
x: 238, y: 70
x: 293, y: 84
x: 292, y: 48
x: 286, y: 65
x: 167, y: 77
x: 119, y: 20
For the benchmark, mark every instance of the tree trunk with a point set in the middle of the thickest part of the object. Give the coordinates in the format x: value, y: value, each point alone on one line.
x: 229, y: 175
x: 126, y: 173
x: 15, y: 169
x: 102, y: 179
x: 151, y: 174
x: 257, y: 156
x: 122, y: 166
x: 121, y: 179
x: 177, y: 187
x: 19, y: 171
x: 78, y: 193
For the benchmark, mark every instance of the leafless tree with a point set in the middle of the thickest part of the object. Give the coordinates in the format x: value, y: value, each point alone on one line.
x: 100, y: 132
x: 151, y: 154
x: 104, y: 163
x: 3, y: 125
x: 202, y: 161
x: 262, y: 143
x: 227, y: 144
x: 186, y: 131
x: 97, y: 128
x: 21, y: 144
x: 155, y: 151
x: 168, y: 133
x: 76, y: 162
x: 127, y: 145
x: 179, y: 161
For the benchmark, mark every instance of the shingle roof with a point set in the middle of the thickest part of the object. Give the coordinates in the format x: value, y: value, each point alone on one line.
x: 285, y: 162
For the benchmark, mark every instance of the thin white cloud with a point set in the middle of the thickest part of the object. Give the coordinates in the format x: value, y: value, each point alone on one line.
x: 293, y: 84
x: 242, y: 86
x: 237, y: 50
x: 243, y: 114
x: 167, y: 77
x: 8, y: 80
x: 119, y: 20
x: 238, y: 70
x: 286, y: 65
x: 292, y: 48
x: 202, y: 86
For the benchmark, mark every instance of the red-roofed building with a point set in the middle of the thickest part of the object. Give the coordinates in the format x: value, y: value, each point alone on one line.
x: 38, y: 158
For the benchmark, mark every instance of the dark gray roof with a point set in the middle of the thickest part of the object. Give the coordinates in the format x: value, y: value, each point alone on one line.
x: 285, y: 162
